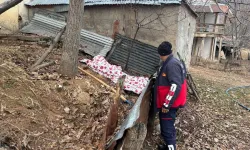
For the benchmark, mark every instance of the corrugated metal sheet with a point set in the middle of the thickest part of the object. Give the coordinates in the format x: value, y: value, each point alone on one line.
x: 47, y: 2
x: 144, y: 58
x: 61, y: 8
x: 94, y: 44
x: 134, y: 115
x: 119, y: 2
x: 105, y: 2
x: 209, y: 7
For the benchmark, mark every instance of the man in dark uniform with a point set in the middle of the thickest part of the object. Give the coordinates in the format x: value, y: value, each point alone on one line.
x: 170, y: 91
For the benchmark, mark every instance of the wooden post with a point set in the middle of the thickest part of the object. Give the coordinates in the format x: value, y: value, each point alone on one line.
x: 211, y: 49
x: 214, y: 47
x: 220, y: 49
x: 202, y: 46
x: 215, y: 21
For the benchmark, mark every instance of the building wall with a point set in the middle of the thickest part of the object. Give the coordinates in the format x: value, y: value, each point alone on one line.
x: 185, y: 34
x: 175, y: 24
x: 23, y: 13
x: 34, y: 9
x: 104, y: 20
x: 205, y: 52
x: 9, y: 19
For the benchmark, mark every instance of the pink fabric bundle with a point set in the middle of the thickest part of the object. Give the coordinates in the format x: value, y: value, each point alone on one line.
x: 113, y: 72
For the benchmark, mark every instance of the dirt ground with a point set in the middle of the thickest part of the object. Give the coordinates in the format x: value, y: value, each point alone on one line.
x: 43, y: 111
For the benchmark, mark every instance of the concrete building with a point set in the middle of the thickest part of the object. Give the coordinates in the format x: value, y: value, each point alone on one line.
x: 159, y: 20
x: 209, y: 29
x: 156, y: 21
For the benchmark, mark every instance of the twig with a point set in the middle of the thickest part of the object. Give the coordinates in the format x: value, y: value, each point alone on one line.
x: 16, y: 127
x: 43, y: 65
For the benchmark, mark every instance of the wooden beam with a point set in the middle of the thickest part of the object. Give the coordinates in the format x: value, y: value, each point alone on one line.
x: 206, y: 35
x: 211, y: 49
x: 220, y: 49
x: 214, y: 47
x: 211, y: 24
x: 215, y: 21
x: 202, y: 46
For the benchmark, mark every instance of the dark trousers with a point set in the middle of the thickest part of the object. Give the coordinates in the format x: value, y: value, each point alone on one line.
x: 168, y: 131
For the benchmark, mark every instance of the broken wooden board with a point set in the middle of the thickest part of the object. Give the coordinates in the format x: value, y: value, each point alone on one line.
x: 134, y: 129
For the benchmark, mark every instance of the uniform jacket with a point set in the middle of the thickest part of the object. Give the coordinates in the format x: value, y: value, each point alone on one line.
x: 171, y: 85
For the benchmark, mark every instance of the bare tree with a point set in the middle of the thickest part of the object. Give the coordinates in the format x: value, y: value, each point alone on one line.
x: 144, y: 22
x: 8, y: 4
x: 238, y: 26
x: 141, y: 24
x: 71, y: 44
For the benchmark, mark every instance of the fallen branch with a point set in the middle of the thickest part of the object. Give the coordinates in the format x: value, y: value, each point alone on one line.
x: 43, y: 65
x: 7, y: 4
x: 55, y: 41
x: 24, y: 37
x: 103, y: 83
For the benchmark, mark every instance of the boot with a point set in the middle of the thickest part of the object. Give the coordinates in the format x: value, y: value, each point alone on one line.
x: 166, y: 147
x: 162, y: 147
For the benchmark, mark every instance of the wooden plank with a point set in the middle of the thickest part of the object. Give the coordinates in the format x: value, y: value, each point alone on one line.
x: 202, y: 46
x: 214, y: 48
x: 211, y: 49
x: 211, y: 24
x: 215, y: 21
x: 220, y: 49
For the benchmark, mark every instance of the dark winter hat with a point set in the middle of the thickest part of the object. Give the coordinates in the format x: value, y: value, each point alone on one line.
x: 165, y: 48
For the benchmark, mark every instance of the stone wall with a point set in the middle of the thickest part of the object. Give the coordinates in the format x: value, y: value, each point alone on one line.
x: 106, y: 20
x: 173, y: 23
x: 185, y: 33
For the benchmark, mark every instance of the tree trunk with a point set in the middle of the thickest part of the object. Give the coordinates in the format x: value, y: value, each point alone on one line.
x: 8, y: 4
x: 71, y: 43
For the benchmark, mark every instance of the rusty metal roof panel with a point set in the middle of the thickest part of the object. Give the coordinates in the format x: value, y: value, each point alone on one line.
x: 143, y: 60
x: 209, y: 7
x: 201, y: 8
x: 120, y: 2
x: 220, y: 9
x: 94, y: 44
x: 104, y: 2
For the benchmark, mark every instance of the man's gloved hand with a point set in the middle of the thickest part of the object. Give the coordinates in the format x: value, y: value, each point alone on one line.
x: 164, y: 108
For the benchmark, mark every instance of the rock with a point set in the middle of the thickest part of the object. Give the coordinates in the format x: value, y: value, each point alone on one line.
x: 66, y: 139
x: 105, y: 102
x: 83, y: 98
x: 66, y: 109
x: 66, y: 83
x: 53, y: 76
x: 59, y: 87
x: 216, y: 140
